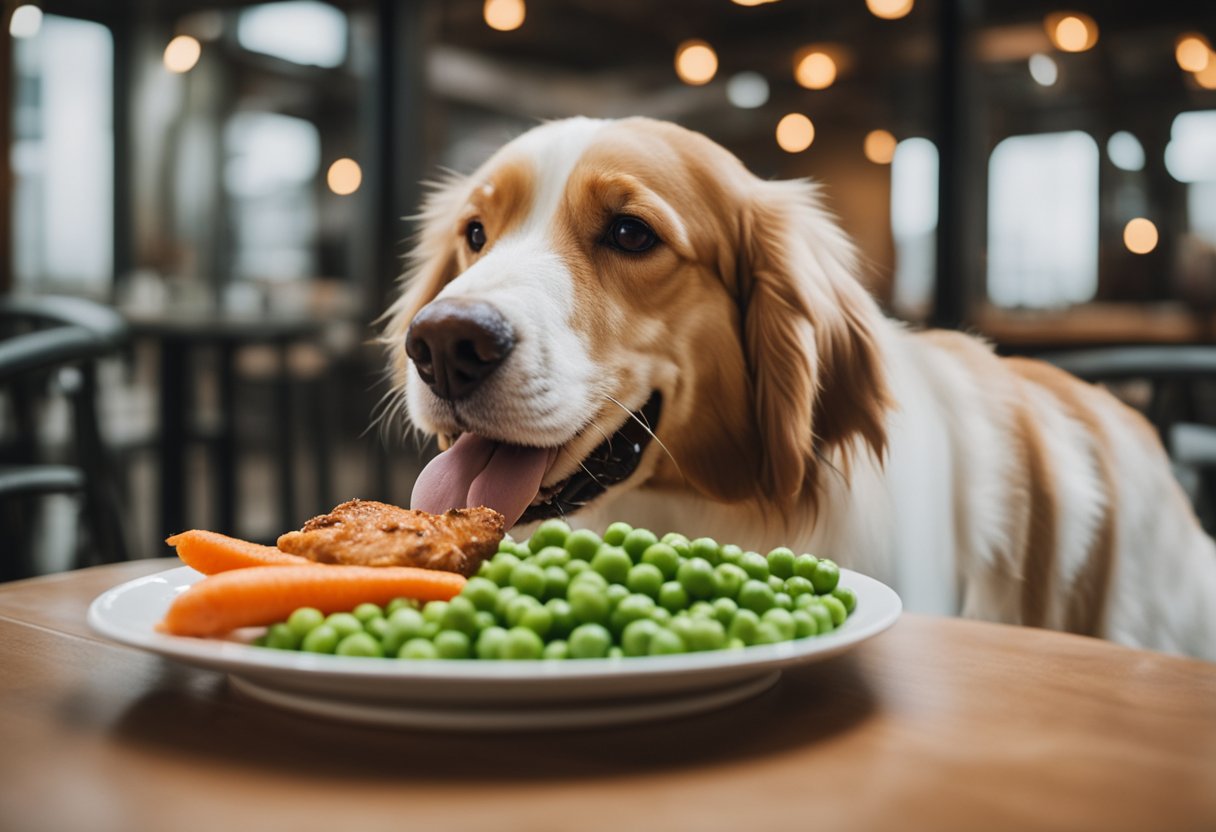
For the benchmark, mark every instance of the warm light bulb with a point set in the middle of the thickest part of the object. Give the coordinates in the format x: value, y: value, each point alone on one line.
x: 1206, y: 77
x: 1140, y: 236
x: 504, y: 15
x: 1071, y: 31
x: 889, y: 9
x: 795, y: 133
x: 815, y: 71
x: 182, y: 54
x: 344, y: 177
x: 880, y: 147
x: 25, y: 22
x: 696, y: 62
x: 1193, y: 53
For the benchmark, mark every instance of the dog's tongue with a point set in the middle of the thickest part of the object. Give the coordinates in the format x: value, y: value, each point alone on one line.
x: 481, y: 472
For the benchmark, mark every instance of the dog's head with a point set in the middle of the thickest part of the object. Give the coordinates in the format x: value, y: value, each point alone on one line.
x: 606, y: 304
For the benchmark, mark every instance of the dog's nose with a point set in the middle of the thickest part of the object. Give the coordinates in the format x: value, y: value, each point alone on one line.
x: 457, y: 343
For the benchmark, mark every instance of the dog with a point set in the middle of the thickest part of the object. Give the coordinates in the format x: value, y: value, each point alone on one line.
x: 616, y: 320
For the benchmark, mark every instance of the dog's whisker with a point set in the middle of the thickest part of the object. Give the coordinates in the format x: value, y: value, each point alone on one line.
x: 646, y: 428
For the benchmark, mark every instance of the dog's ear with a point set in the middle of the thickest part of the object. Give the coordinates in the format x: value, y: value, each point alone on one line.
x: 809, y: 331
x: 431, y: 264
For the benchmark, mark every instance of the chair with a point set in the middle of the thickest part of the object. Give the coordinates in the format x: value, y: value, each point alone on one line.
x: 1176, y: 374
x: 54, y: 342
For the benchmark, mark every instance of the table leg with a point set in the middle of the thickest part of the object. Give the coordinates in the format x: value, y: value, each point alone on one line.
x: 175, y: 398
x: 225, y: 482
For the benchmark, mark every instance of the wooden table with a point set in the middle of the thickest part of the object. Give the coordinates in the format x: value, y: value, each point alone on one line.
x: 938, y: 724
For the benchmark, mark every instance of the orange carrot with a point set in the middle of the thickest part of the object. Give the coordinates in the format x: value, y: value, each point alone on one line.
x: 264, y: 595
x: 212, y: 552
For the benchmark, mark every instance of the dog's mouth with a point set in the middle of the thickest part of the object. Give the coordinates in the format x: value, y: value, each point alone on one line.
x: 477, y: 471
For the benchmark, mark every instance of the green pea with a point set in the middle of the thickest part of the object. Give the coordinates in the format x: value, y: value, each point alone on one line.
x: 613, y: 563
x: 549, y: 533
x: 551, y: 556
x: 678, y: 542
x: 663, y: 557
x: 646, y: 579
x: 638, y: 541
x: 804, y: 624
x: 522, y: 643
x: 798, y: 585
x: 826, y: 577
x: 743, y: 626
x: 701, y: 609
x: 804, y: 566
x: 615, y: 652
x: 501, y: 567
x: 682, y: 625
x: 706, y: 634
x: 665, y: 642
x: 847, y: 597
x: 434, y: 610
x: 836, y: 607
x: 673, y: 596
x: 359, y: 644
x: 505, y: 596
x: 755, y: 565
x: 616, y: 594
x: 320, y: 639
x: 696, y: 575
x: 483, y: 570
x: 783, y: 600
x: 589, y: 641
x: 728, y: 580
x: 615, y: 534
x: 282, y: 637
x: 635, y: 640
x: 559, y: 649
x: 518, y: 606
x: 430, y: 629
x: 781, y: 562
x: 537, y: 619
x: 734, y: 644
x: 398, y: 603
x: 757, y: 596
x: 767, y: 633
x: 458, y: 615
x: 724, y: 610
x: 803, y: 601
x: 304, y: 620
x: 344, y: 624
x: 529, y: 579
x: 822, y: 616
x: 507, y: 543
x: 707, y: 549
x: 376, y: 627
x: 484, y: 619
x: 556, y: 582
x: 783, y: 620
x: 588, y: 603
x: 731, y: 554
x: 660, y: 616
x: 482, y: 592
x: 404, y: 624
x: 591, y: 577
x: 583, y: 544
x: 561, y: 618
x: 576, y: 567
x: 452, y: 644
x: 366, y: 612
x: 418, y: 648
x: 632, y: 608
x: 775, y: 583
x: 490, y: 642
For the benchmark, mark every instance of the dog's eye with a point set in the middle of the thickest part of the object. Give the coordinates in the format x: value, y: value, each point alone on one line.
x: 475, y: 233
x: 631, y: 234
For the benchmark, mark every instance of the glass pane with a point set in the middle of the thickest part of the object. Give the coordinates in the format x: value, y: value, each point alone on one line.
x: 299, y: 31
x: 914, y: 224
x: 1043, y: 220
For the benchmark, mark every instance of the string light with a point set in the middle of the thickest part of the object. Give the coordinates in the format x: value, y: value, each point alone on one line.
x: 344, y: 177
x: 879, y: 147
x: 504, y: 15
x: 1140, y: 236
x: 182, y: 54
x: 889, y: 9
x: 795, y: 132
x: 815, y: 70
x: 696, y: 62
x: 1193, y: 53
x: 1071, y: 31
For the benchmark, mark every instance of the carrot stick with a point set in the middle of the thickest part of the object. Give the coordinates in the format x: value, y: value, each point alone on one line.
x: 212, y: 552
x: 265, y: 595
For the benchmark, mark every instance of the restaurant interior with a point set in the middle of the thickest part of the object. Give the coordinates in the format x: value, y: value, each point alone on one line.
x: 206, y: 204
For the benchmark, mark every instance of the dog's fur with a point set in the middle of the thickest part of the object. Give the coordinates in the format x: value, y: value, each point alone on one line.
x: 794, y: 412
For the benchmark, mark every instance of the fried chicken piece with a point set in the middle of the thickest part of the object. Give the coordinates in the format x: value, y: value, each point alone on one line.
x: 368, y: 533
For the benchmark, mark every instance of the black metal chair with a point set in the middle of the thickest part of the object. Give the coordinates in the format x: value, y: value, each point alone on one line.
x: 1176, y: 374
x: 53, y: 343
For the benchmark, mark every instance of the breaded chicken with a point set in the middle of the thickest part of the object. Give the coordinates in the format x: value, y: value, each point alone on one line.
x: 368, y: 533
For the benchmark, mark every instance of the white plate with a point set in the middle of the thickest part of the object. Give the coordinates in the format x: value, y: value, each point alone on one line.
x: 481, y: 695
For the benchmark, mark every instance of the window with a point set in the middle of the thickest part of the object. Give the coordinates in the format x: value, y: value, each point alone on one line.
x: 300, y: 31
x: 62, y: 157
x: 914, y: 224
x: 1190, y: 157
x: 1043, y: 220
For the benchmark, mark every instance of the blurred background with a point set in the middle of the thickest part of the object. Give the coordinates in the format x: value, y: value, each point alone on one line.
x: 204, y: 203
